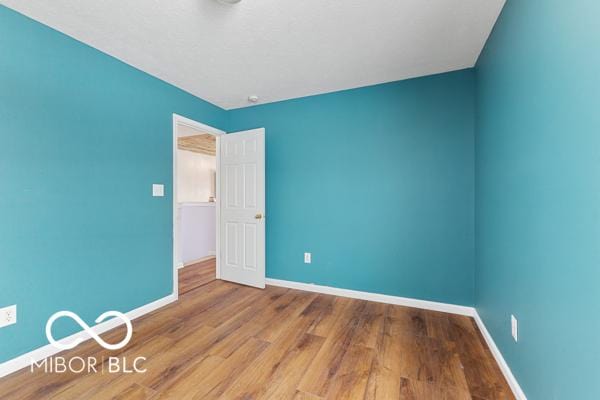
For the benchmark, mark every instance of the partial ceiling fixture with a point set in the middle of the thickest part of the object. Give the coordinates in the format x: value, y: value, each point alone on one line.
x: 229, y: 2
x: 253, y: 99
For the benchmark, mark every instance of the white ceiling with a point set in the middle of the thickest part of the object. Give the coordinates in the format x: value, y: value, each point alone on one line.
x: 276, y: 49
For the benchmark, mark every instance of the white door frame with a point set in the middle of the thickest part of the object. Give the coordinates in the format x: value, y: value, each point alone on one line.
x: 180, y: 120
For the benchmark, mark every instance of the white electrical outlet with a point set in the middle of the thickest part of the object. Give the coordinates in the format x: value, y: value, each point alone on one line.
x: 307, y: 258
x: 514, y: 328
x: 8, y: 316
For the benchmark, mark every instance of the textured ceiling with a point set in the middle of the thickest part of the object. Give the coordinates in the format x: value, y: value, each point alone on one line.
x: 276, y: 49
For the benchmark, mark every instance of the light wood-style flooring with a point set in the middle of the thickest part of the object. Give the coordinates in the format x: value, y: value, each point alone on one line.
x: 226, y: 341
x: 196, y: 275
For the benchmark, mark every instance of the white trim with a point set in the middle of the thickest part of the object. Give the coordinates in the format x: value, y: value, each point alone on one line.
x: 211, y: 255
x: 177, y: 264
x: 49, y: 350
x: 176, y: 260
x: 512, y: 381
x: 218, y: 211
x: 198, y: 204
x: 424, y: 304
x: 179, y: 119
x: 380, y: 298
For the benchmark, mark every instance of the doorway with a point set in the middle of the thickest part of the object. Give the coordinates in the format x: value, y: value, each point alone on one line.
x: 195, y: 206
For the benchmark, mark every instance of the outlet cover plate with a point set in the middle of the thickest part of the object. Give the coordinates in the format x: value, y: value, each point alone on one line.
x: 8, y: 316
x: 514, y: 328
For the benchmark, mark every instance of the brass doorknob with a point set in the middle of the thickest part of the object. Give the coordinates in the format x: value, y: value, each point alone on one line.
x: 258, y: 216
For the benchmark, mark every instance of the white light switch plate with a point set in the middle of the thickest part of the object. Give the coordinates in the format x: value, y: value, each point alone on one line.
x: 307, y: 258
x: 514, y: 327
x: 8, y: 316
x: 158, y: 190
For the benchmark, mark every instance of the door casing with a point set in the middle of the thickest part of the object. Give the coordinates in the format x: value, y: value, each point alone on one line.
x: 181, y: 120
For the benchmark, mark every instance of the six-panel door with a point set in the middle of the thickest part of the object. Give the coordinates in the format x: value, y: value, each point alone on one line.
x: 242, y: 205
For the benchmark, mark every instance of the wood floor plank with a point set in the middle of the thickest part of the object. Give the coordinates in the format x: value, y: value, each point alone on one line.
x: 383, y: 383
x: 214, y: 383
x: 291, y: 305
x: 334, y: 309
x: 438, y: 326
x: 136, y: 392
x: 485, y: 379
x: 424, y: 359
x: 88, y: 385
x: 417, y: 390
x: 272, y: 367
x: 350, y: 381
x: 326, y: 364
x: 370, y: 325
x: 294, y: 346
x: 182, y: 355
x: 464, y: 333
x: 249, y: 297
x: 420, y: 358
x: 305, y: 396
x: 408, y: 320
x: 242, y: 325
x: 200, y: 300
x: 225, y: 308
x: 16, y: 385
x: 187, y: 384
x: 196, y: 275
x: 283, y: 383
x: 226, y: 341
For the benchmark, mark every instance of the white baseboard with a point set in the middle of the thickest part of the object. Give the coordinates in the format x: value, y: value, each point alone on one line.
x: 198, y: 260
x: 510, y: 378
x: 212, y: 253
x: 380, y: 298
x: 423, y: 304
x: 41, y: 353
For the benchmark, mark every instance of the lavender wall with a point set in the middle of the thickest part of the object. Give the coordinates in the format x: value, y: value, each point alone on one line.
x: 198, y: 231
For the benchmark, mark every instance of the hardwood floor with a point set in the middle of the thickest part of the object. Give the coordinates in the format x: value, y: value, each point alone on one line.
x: 196, y: 275
x: 225, y: 341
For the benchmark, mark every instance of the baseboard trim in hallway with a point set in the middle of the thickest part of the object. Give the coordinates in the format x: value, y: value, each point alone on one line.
x: 199, y: 260
x: 41, y: 353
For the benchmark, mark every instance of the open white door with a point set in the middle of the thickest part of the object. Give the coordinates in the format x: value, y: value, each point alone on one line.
x: 242, y: 205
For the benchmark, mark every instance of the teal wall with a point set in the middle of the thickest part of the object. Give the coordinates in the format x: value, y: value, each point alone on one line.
x: 538, y: 194
x: 377, y: 183
x: 82, y: 138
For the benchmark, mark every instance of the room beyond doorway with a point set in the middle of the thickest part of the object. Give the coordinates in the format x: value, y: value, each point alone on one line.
x: 195, y: 207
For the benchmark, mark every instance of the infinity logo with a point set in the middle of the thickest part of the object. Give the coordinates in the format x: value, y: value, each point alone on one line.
x: 88, y: 330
